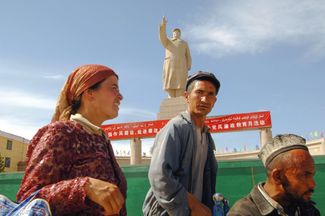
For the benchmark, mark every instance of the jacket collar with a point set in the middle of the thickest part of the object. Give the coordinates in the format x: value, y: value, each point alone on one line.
x: 263, y: 205
x: 187, y: 117
x: 86, y: 124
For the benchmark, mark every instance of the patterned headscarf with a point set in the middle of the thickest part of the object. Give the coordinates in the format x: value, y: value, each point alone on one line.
x: 78, y: 81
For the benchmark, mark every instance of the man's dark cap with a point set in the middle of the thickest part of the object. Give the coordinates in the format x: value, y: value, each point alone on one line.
x: 201, y: 75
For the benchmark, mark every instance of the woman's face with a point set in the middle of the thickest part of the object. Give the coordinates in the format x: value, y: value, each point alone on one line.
x: 107, y: 98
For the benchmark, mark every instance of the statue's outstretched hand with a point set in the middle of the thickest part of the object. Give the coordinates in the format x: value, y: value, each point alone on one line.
x: 163, y: 22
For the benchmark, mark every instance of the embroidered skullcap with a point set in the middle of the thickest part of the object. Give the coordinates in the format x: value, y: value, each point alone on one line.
x: 81, y: 79
x: 280, y: 144
x: 201, y: 75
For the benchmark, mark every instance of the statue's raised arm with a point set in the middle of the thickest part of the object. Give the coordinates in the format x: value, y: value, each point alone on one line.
x: 162, y: 33
x: 177, y: 61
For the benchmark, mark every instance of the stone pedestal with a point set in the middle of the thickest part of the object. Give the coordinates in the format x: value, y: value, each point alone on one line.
x: 136, y: 156
x: 170, y: 107
x: 265, y: 136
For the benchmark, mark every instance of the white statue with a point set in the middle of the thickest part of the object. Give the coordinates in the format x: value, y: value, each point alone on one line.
x: 177, y: 61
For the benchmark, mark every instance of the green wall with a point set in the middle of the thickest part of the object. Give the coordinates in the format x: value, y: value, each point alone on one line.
x: 235, y: 180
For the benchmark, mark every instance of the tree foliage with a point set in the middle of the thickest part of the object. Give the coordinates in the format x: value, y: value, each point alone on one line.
x: 2, y: 163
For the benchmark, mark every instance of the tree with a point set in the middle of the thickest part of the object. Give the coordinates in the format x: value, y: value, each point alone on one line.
x: 2, y: 164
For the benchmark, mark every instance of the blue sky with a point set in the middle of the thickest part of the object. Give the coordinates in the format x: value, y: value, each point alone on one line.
x: 268, y: 55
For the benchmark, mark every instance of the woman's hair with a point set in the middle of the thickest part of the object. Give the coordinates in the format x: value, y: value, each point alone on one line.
x: 76, y: 103
x: 82, y: 78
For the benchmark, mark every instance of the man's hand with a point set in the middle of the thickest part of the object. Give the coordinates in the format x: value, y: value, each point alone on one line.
x: 106, y: 195
x: 197, y: 208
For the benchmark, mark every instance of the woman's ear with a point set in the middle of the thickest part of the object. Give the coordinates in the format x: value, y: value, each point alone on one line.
x: 88, y: 95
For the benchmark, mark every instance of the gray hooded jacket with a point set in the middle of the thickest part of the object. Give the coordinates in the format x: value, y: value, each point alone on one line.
x: 170, y: 173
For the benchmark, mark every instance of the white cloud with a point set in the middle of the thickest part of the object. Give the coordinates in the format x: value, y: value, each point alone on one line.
x: 250, y: 26
x: 54, y: 76
x: 22, y: 70
x: 19, y: 127
x: 18, y: 98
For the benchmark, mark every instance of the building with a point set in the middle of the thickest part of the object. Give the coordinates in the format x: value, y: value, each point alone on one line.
x: 316, y: 148
x: 13, y: 150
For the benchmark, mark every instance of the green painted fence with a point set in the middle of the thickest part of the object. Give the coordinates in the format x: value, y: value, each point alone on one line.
x: 235, y: 180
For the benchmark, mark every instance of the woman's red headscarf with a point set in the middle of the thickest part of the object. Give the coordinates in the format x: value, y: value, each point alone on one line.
x: 78, y: 81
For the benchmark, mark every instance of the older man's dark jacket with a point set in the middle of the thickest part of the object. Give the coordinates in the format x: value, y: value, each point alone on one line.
x: 255, y: 204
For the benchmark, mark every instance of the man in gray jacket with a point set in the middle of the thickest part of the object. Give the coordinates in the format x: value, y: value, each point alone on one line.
x: 183, y: 167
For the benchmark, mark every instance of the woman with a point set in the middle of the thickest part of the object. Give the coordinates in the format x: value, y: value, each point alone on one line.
x: 71, y: 160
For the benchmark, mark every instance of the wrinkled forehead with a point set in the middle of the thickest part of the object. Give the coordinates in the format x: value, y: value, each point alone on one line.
x: 204, y: 85
x: 302, y: 160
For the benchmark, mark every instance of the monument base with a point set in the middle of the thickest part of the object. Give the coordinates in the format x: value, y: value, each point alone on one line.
x: 170, y: 107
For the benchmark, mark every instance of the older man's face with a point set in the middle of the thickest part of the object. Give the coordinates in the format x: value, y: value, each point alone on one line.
x: 298, y: 182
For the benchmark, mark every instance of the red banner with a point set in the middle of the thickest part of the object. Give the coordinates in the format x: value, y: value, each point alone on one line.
x: 239, y: 122
x: 225, y: 123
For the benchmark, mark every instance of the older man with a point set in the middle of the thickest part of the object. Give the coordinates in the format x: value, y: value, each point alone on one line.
x: 182, y: 172
x: 289, y: 184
